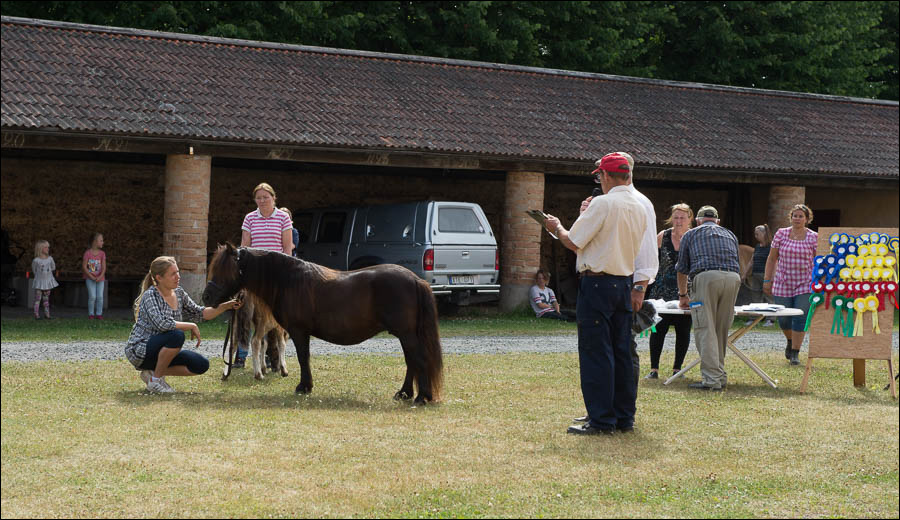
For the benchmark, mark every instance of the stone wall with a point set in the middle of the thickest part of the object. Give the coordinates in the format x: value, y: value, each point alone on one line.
x: 781, y: 200
x: 520, y: 251
x: 64, y: 202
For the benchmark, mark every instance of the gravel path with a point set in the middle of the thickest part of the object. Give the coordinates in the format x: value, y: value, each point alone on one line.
x: 32, y: 351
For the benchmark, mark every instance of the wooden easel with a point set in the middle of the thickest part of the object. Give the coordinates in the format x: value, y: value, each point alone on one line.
x: 823, y: 344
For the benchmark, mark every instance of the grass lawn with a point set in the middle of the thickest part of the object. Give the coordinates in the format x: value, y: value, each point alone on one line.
x: 81, y: 439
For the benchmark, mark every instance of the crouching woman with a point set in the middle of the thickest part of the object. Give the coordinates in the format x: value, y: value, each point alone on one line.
x: 160, y: 311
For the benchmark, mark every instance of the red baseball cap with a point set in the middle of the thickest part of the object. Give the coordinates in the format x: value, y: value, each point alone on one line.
x: 613, y: 162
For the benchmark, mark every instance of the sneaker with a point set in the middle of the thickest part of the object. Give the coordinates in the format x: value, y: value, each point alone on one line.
x: 795, y: 357
x: 652, y: 375
x: 90, y: 316
x: 156, y: 387
x: 99, y: 317
x: 787, y: 350
x: 145, y: 376
x: 169, y: 389
x: 768, y: 323
x: 268, y: 362
x: 238, y: 363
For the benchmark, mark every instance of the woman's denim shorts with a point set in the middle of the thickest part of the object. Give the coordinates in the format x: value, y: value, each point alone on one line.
x: 801, y: 301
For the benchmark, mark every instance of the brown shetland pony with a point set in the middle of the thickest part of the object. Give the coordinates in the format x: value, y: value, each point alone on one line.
x: 339, y: 307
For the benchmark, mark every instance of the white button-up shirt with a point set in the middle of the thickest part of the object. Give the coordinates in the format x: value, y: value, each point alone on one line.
x: 608, y: 234
x: 646, y: 265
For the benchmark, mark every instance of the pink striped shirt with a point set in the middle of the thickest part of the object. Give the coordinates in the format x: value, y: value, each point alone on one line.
x: 793, y: 273
x: 265, y: 233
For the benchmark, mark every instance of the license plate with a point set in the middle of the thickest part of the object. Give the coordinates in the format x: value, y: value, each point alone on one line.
x: 462, y: 280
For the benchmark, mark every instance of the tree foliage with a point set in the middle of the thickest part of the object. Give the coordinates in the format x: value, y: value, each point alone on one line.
x: 840, y: 48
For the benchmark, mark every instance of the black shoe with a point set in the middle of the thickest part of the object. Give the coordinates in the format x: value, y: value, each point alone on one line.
x: 787, y: 350
x: 701, y: 386
x: 588, y: 429
x: 268, y: 362
x: 238, y: 363
x: 652, y: 375
x: 625, y: 429
x: 795, y: 360
x: 583, y: 418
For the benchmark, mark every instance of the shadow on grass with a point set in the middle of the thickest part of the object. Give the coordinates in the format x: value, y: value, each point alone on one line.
x: 243, y: 391
x: 853, y: 396
x: 228, y: 400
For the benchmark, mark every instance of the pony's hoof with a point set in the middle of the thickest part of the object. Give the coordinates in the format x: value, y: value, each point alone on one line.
x: 302, y: 389
x: 402, y: 396
x: 284, y: 373
x: 420, y: 400
x: 258, y: 376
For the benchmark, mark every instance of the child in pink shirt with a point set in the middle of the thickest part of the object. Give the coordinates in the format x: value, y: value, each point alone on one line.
x: 93, y: 265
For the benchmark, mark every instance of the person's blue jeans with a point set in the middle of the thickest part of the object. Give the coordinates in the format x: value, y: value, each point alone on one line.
x: 194, y: 362
x: 95, y: 297
x: 798, y: 323
x: 604, y: 351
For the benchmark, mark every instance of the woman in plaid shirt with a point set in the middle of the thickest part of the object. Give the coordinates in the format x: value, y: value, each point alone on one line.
x: 154, y: 346
x: 788, y: 275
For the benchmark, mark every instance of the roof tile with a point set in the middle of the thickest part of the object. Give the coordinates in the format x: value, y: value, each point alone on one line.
x: 139, y: 83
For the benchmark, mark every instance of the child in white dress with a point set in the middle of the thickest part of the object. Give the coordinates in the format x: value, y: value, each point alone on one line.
x: 43, y: 268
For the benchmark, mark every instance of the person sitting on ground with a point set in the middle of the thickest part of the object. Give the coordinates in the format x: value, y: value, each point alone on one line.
x: 543, y: 299
x: 154, y: 346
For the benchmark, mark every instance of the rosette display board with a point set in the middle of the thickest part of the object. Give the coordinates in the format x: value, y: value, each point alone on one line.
x: 854, y: 295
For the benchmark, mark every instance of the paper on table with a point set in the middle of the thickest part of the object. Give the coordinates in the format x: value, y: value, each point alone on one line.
x: 540, y: 217
x: 763, y: 307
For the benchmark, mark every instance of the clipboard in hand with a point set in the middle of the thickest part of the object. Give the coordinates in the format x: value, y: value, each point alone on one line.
x: 541, y: 218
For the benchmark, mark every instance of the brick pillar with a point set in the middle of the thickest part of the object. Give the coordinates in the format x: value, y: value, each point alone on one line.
x: 520, y: 252
x: 186, y: 218
x: 781, y: 200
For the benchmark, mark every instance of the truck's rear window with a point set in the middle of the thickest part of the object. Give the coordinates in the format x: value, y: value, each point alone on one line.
x: 458, y: 220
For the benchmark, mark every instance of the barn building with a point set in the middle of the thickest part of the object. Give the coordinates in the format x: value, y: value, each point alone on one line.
x: 156, y: 139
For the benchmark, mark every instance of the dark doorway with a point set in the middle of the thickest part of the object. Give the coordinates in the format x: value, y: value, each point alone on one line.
x: 825, y: 218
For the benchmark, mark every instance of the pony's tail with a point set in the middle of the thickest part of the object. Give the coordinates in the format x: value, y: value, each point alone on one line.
x: 429, y: 342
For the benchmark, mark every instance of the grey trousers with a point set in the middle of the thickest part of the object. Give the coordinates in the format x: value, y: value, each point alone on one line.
x: 713, y: 294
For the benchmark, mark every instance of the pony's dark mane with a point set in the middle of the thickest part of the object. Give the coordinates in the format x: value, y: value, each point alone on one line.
x: 267, y: 273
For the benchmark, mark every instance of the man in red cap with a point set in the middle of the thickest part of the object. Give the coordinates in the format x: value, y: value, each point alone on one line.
x: 646, y: 265
x: 606, y: 238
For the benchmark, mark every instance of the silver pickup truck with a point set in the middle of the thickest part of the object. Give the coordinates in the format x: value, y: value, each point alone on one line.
x: 448, y: 244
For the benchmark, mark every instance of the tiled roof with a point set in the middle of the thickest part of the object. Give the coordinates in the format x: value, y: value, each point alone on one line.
x: 79, y: 78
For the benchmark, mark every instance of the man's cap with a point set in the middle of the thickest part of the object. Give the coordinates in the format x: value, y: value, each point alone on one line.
x: 707, y: 212
x: 613, y: 163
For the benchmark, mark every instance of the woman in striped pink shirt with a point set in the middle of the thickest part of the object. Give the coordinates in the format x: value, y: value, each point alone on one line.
x: 269, y: 228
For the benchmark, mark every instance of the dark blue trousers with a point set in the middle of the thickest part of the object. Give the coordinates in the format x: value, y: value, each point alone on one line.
x: 604, y: 350
x: 194, y: 362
